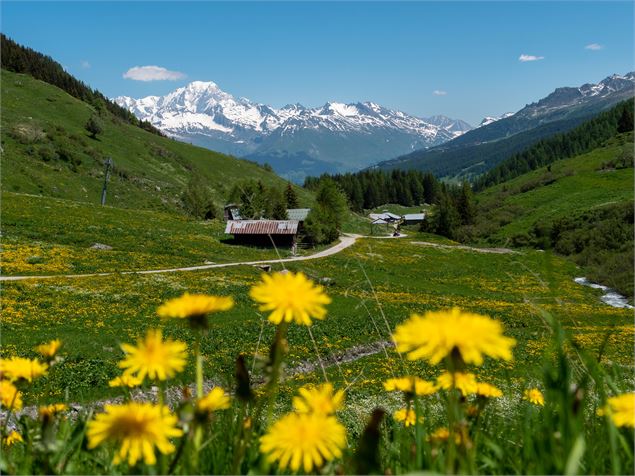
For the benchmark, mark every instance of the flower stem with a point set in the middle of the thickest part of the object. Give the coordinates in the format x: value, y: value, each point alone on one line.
x: 199, y: 366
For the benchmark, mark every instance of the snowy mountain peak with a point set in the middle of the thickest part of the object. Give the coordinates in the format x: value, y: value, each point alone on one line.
x: 489, y: 119
x: 204, y: 114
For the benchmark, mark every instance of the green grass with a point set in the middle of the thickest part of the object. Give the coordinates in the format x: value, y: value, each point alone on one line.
x: 94, y: 315
x: 43, y: 235
x: 571, y: 187
x: 151, y: 172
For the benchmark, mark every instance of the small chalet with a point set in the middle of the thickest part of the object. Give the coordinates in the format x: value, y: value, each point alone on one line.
x: 266, y: 232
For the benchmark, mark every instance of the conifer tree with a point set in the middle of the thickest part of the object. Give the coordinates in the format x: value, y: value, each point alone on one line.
x: 290, y: 196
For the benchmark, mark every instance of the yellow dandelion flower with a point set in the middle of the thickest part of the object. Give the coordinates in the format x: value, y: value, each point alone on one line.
x: 154, y: 357
x: 138, y: 428
x: 129, y: 381
x: 407, y: 416
x: 464, y: 382
x: 621, y: 409
x: 437, y: 334
x: 19, y: 368
x: 303, y: 441
x: 320, y: 399
x: 488, y: 390
x: 47, y: 411
x: 10, y: 397
x: 194, y: 305
x: 12, y: 438
x: 49, y: 349
x: 290, y: 297
x: 414, y: 385
x: 443, y: 434
x: 215, y: 400
x: 533, y: 395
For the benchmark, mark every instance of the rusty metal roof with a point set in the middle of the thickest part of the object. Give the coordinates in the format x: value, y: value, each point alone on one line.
x: 262, y: 227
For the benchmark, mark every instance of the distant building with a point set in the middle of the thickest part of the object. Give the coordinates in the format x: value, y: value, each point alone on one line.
x: 232, y: 212
x: 413, y: 218
x: 386, y: 216
x: 299, y: 214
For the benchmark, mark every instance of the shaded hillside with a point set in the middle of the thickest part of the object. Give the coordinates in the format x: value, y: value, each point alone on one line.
x: 479, y: 150
x: 583, y: 138
x: 47, y: 151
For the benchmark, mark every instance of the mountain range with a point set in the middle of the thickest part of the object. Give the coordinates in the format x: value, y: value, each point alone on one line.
x: 480, y: 149
x: 295, y: 140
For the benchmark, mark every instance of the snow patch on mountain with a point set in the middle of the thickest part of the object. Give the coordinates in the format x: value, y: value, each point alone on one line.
x: 489, y: 119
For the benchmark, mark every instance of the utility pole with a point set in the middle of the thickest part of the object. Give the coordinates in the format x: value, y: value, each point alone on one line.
x: 108, y: 166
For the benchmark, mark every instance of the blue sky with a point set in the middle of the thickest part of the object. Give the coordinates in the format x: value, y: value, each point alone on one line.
x: 424, y: 58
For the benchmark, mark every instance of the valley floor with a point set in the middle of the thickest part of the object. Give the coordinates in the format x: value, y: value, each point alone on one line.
x: 375, y: 284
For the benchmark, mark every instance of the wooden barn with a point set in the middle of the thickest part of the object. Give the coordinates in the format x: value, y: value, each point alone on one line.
x: 264, y: 232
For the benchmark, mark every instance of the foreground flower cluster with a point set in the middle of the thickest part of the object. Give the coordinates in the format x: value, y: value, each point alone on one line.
x: 243, y: 428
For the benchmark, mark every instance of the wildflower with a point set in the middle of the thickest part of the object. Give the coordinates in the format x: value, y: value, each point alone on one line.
x: 138, y: 428
x: 303, y: 441
x: 290, y: 297
x: 437, y: 334
x: 17, y: 368
x: 443, y: 434
x: 215, y: 400
x: 154, y: 357
x: 534, y: 396
x: 621, y: 409
x: 407, y: 416
x: 49, y: 349
x: 48, y: 411
x: 129, y: 381
x: 487, y: 390
x: 318, y: 400
x: 195, y: 307
x: 10, y: 397
x: 414, y: 385
x: 12, y: 438
x: 464, y: 382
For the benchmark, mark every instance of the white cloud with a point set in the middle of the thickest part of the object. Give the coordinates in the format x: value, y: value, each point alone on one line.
x: 524, y: 58
x: 593, y: 47
x: 152, y: 73
x: 85, y: 64
x: 438, y: 92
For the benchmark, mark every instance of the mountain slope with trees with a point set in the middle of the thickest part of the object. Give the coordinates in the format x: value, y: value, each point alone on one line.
x: 481, y: 149
x: 51, y: 149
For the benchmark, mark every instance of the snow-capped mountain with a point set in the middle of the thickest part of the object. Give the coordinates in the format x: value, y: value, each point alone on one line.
x: 455, y: 126
x: 489, y: 119
x: 294, y: 139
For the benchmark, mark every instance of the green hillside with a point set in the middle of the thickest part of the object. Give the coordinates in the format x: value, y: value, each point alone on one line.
x: 46, y: 151
x: 582, y: 207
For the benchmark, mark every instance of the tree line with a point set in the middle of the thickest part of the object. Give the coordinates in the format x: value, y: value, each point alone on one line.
x: 369, y: 189
x: 582, y: 139
x: 20, y: 59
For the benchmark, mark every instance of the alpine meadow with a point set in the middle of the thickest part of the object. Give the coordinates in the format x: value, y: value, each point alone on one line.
x: 373, y: 265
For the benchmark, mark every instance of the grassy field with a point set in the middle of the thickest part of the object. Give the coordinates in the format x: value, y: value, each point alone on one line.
x: 46, y: 151
x: 375, y: 285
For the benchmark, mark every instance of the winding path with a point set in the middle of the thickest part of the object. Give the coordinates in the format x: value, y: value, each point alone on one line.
x: 346, y: 241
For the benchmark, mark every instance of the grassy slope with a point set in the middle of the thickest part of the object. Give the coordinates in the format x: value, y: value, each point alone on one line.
x: 579, y: 185
x: 43, y: 235
x: 150, y: 171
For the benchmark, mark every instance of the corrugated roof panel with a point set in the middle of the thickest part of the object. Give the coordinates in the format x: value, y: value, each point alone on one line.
x: 262, y: 227
x: 299, y: 214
